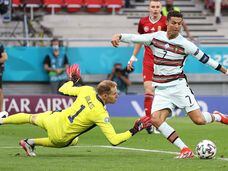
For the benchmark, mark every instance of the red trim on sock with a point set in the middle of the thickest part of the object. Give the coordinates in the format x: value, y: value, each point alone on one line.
x: 148, y: 100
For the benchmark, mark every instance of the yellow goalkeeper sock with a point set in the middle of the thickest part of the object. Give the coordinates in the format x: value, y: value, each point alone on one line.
x: 20, y: 118
x: 45, y: 142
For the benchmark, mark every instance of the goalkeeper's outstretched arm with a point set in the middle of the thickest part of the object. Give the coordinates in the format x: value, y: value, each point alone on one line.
x: 69, y: 89
x: 115, y: 138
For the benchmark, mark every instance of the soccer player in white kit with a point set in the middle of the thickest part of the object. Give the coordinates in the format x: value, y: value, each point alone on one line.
x: 171, y: 88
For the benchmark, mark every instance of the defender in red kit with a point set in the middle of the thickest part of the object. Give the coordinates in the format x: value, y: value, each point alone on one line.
x: 149, y: 24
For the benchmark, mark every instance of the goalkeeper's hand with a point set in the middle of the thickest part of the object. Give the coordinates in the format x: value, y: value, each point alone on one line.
x: 73, y: 73
x: 140, y: 124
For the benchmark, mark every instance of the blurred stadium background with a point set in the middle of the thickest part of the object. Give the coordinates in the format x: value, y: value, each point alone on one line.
x: 86, y: 28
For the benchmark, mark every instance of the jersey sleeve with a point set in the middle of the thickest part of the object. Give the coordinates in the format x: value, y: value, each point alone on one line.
x: 106, y: 127
x: 69, y: 89
x: 190, y: 47
x: 200, y: 55
x: 135, y: 38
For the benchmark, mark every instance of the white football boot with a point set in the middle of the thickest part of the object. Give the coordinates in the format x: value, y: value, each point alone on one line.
x: 29, y: 149
x: 4, y: 114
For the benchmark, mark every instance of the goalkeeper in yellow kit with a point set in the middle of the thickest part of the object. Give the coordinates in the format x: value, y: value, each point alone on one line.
x: 86, y: 112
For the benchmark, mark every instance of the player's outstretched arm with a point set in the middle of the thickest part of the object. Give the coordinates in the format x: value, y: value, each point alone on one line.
x: 132, y: 38
x: 223, y: 70
x: 116, y: 139
x: 116, y: 40
x: 73, y: 73
x: 68, y: 88
x: 204, y: 58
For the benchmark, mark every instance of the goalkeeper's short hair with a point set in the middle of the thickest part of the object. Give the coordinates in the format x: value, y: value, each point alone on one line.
x: 104, y: 87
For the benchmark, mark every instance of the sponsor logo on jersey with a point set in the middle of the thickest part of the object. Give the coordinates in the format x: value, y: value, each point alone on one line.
x: 153, y: 29
x: 107, y: 120
x: 166, y: 46
x: 146, y: 29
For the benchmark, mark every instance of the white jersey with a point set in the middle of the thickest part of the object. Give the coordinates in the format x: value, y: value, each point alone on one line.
x: 169, y: 55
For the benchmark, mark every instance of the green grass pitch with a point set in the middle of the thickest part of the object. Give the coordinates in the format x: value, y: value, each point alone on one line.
x: 90, y: 155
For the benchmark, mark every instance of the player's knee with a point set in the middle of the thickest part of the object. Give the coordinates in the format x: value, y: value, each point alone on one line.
x: 148, y: 88
x: 156, y: 120
x: 199, y: 121
x: 149, y: 91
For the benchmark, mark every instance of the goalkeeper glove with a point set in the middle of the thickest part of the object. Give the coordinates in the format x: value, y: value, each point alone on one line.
x: 140, y: 124
x: 73, y: 73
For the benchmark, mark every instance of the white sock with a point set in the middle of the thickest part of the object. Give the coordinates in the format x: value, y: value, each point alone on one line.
x: 31, y: 141
x: 1, y: 122
x: 207, y: 116
x: 179, y: 143
x: 217, y: 117
x: 167, y: 130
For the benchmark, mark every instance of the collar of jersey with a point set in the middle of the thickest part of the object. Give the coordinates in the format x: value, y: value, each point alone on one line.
x: 98, y: 98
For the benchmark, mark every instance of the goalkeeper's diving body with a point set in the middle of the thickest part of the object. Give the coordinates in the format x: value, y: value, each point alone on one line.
x: 87, y: 111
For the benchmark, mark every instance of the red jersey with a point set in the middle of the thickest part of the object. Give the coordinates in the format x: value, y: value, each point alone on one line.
x: 146, y: 25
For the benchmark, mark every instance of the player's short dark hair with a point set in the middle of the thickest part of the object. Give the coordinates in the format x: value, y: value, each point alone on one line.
x: 104, y: 87
x: 173, y: 13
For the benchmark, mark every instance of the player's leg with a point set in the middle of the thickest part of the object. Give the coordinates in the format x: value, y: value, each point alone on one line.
x: 158, y: 120
x: 40, y: 119
x: 148, y: 97
x: 23, y: 118
x: 162, y: 108
x: 29, y: 145
x: 202, y: 118
x: 148, y: 91
x: 187, y: 100
x: 19, y: 118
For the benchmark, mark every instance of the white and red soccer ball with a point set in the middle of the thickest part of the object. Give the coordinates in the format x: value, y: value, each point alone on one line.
x: 206, y: 149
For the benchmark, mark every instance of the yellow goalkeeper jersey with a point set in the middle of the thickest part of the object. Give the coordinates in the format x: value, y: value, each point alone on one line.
x: 86, y: 112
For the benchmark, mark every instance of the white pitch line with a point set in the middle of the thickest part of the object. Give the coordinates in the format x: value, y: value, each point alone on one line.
x: 139, y: 149
x: 130, y: 149
x: 121, y: 148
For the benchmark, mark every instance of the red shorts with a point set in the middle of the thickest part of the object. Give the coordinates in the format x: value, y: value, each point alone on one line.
x: 148, y: 65
x: 148, y: 69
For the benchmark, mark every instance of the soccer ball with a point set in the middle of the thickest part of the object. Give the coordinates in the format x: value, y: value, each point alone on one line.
x: 206, y: 149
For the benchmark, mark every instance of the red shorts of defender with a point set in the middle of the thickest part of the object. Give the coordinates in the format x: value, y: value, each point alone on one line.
x: 148, y: 64
x: 148, y: 69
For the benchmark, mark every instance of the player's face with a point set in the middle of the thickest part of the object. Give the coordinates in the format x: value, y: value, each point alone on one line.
x: 174, y: 25
x: 112, y: 97
x: 155, y: 9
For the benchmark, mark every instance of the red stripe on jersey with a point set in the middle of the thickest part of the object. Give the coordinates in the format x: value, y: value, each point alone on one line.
x: 168, y: 47
x: 167, y: 78
x: 168, y: 62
